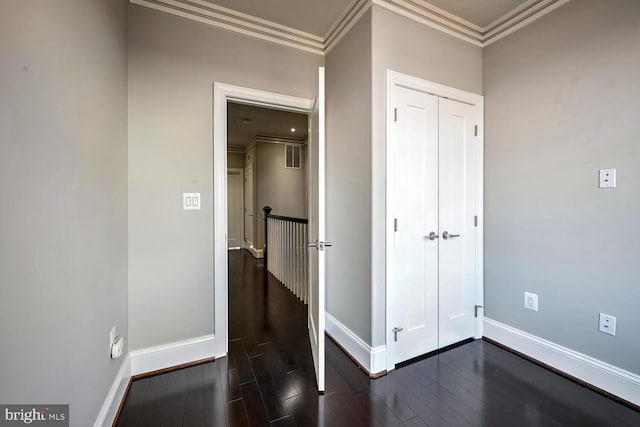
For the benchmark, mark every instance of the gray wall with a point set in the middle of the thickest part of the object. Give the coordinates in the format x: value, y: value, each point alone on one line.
x: 348, y: 174
x: 405, y: 46
x: 173, y: 63
x: 235, y: 160
x: 281, y: 188
x: 562, y: 102
x: 63, y: 211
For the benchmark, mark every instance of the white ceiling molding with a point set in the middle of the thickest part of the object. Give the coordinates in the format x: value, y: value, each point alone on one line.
x: 267, y: 140
x: 228, y: 19
x: 518, y: 18
x: 418, y: 10
x: 431, y: 16
x: 343, y: 24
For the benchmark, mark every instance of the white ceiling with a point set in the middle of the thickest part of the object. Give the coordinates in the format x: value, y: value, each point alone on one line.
x: 317, y: 16
x: 246, y: 121
x: 479, y: 12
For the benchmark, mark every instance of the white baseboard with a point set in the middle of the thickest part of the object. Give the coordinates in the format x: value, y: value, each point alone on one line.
x: 607, y: 377
x: 372, y: 359
x: 109, y: 409
x: 257, y: 253
x: 173, y: 354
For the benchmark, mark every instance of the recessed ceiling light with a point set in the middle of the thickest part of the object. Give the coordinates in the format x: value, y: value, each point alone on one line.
x: 293, y: 129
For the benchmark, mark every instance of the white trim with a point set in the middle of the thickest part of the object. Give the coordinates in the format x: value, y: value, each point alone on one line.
x: 109, y: 409
x: 607, y: 377
x: 418, y: 10
x: 373, y: 359
x: 222, y: 93
x: 174, y: 354
x: 228, y: 19
x: 343, y: 25
x: 497, y: 30
x: 426, y: 17
x: 402, y: 80
x: 257, y: 253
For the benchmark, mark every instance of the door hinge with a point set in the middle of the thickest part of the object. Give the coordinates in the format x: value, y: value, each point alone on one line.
x: 395, y: 114
x: 476, y: 310
x: 395, y: 224
x: 476, y: 130
x: 475, y: 221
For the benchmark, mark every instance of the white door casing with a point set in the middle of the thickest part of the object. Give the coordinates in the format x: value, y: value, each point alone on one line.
x: 316, y: 231
x: 223, y: 93
x: 235, y: 216
x: 455, y: 168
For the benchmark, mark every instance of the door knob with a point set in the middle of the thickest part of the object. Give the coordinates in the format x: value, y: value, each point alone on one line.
x: 319, y: 245
x: 446, y: 235
x: 433, y: 235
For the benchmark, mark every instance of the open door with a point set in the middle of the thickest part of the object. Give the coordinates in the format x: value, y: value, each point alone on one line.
x: 316, y: 231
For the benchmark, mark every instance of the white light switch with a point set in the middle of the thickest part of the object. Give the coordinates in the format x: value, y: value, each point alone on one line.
x: 607, y: 178
x: 191, y: 201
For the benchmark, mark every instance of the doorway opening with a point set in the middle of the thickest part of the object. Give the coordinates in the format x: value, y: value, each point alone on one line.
x: 222, y: 95
x: 266, y: 166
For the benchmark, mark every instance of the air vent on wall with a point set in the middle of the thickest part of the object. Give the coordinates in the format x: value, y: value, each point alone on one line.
x: 293, y: 157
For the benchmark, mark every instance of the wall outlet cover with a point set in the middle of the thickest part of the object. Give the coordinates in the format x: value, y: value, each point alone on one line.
x: 607, y: 324
x: 607, y: 178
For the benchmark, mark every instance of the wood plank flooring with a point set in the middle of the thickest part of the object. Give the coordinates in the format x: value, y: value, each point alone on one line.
x: 268, y: 380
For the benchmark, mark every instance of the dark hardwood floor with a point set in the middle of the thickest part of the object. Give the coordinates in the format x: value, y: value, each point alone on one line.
x: 268, y: 379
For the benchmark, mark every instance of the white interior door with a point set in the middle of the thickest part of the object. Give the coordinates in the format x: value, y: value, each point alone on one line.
x: 248, y: 207
x: 416, y: 215
x: 457, y: 198
x: 434, y: 206
x: 316, y: 231
x: 235, y: 217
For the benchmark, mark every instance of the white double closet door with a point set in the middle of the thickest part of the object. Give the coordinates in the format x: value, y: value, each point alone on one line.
x: 434, y: 289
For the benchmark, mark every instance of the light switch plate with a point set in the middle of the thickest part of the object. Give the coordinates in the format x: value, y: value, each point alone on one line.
x: 607, y: 178
x: 531, y: 301
x: 191, y: 201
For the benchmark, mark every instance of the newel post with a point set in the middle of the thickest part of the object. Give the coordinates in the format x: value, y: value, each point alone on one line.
x: 267, y: 213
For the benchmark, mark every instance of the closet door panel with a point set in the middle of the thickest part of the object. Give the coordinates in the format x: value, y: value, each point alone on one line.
x: 456, y: 218
x: 416, y: 211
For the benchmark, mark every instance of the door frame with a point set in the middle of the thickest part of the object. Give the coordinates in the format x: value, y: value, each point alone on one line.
x: 223, y: 93
x: 241, y: 171
x: 403, y: 80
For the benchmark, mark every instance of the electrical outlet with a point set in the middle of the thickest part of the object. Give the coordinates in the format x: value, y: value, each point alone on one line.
x: 531, y: 301
x: 607, y: 178
x: 607, y: 324
x: 112, y: 337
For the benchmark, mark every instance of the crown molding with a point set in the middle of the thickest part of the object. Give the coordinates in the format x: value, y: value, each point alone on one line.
x: 345, y: 22
x: 228, y: 19
x: 417, y: 10
x: 267, y: 140
x: 519, y: 18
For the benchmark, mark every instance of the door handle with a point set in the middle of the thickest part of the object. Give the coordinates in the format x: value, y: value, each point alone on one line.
x: 446, y: 235
x: 432, y: 236
x: 319, y: 245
